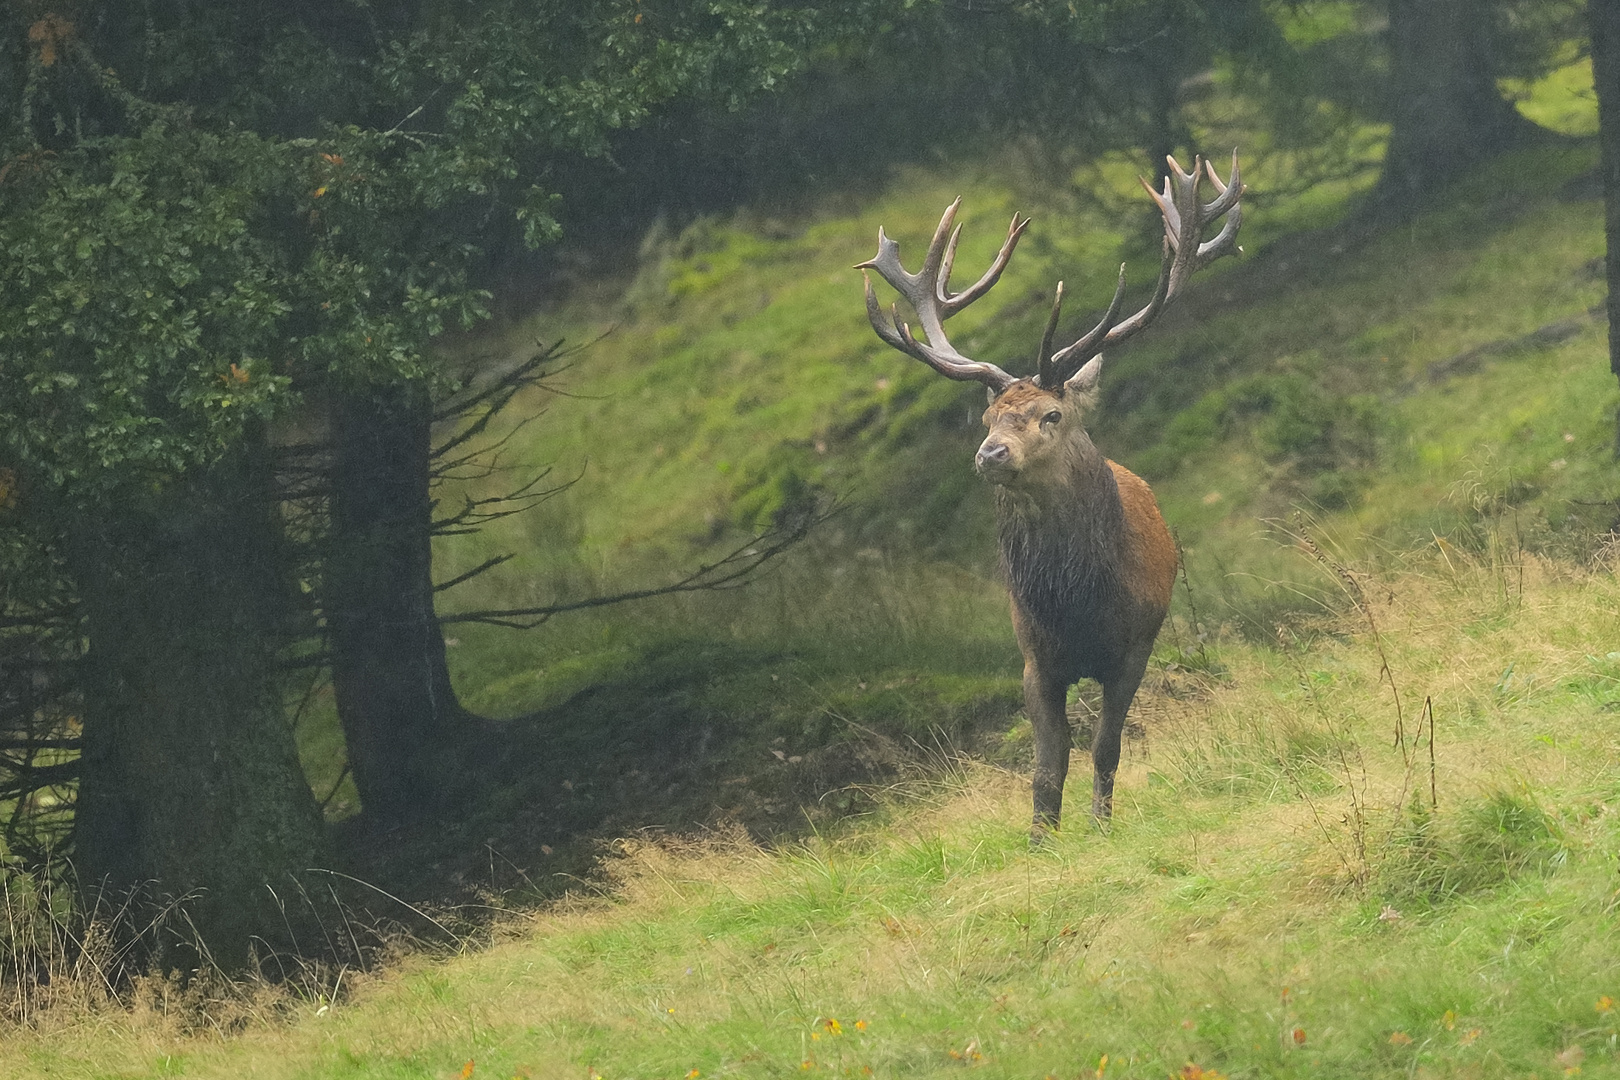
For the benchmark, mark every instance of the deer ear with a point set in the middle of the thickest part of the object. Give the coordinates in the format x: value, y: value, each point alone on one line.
x: 1085, y: 380
x: 989, y: 395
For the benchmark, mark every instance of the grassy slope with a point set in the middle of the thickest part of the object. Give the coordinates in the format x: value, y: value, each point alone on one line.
x: 741, y: 361
x: 705, y: 403
x: 1240, y: 915
x: 737, y: 370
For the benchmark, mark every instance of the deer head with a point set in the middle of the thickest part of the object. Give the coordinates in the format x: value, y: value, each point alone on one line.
x: 1036, y: 424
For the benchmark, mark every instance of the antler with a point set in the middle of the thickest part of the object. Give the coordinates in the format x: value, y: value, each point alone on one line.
x: 928, y: 291
x: 1185, y: 253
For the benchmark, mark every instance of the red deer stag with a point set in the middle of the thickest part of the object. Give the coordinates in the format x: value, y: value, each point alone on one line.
x: 1088, y: 560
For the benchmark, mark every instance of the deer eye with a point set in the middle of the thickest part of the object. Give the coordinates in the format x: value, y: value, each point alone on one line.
x: 1051, y: 418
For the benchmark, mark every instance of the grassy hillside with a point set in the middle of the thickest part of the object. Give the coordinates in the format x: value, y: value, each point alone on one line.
x: 1388, y: 455
x: 1444, y: 379
x: 1386, y: 381
x: 1278, y: 896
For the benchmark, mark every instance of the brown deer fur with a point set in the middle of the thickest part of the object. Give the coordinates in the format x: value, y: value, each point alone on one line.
x: 1090, y: 567
x: 1088, y: 560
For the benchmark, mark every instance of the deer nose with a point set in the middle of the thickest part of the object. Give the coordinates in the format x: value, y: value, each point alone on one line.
x: 992, y: 456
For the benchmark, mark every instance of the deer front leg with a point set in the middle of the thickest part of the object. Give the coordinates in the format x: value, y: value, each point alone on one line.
x: 1043, y: 702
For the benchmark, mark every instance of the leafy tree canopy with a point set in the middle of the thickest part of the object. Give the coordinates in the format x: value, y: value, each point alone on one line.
x: 208, y: 207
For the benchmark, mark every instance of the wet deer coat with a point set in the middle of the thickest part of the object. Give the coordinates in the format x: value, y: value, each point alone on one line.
x: 1088, y: 560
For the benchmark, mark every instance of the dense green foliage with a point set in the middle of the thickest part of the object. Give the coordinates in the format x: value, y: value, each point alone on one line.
x: 140, y: 311
x: 298, y: 195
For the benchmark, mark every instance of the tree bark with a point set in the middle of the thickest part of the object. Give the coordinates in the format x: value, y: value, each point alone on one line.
x: 401, y: 720
x: 191, y: 784
x: 1603, y: 17
x: 1446, y: 112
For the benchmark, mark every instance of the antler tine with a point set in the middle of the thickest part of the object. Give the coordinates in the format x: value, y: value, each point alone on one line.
x: 1185, y: 252
x: 1043, y: 360
x: 1068, y: 361
x: 891, y: 334
x: 1226, y: 202
x: 1228, y: 193
x: 947, y: 361
x: 936, y: 258
x: 956, y: 303
x: 928, y: 293
x: 944, y: 279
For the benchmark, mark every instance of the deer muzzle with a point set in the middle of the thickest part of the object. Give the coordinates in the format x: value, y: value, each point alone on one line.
x: 994, y: 462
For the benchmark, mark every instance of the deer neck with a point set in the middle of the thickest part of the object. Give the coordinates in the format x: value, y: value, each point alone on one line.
x: 1063, y: 534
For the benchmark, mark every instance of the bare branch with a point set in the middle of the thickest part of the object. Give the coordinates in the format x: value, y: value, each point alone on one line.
x: 487, y: 564
x: 732, y: 571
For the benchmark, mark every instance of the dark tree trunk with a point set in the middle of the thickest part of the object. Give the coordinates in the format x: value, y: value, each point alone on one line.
x: 1604, y: 19
x: 1168, y: 59
x: 1446, y: 113
x: 401, y: 720
x: 190, y: 777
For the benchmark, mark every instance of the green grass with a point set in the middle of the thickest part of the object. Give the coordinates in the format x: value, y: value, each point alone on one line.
x: 1278, y: 895
x: 1379, y: 379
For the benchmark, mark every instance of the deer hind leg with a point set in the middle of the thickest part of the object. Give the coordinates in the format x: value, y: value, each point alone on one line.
x: 1043, y: 701
x: 1118, y: 693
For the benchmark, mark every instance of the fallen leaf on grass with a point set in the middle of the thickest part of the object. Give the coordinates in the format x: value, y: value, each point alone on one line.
x: 1400, y: 1038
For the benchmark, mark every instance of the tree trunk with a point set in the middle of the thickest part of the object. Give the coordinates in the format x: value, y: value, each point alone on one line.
x: 401, y: 720
x: 1445, y: 110
x: 190, y: 777
x: 1604, y: 19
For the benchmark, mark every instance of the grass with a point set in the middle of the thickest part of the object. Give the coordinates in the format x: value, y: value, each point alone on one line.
x: 1368, y: 376
x: 1276, y: 896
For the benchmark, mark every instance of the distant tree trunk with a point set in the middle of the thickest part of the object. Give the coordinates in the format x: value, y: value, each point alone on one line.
x: 400, y: 717
x: 190, y: 779
x: 1446, y: 112
x: 1604, y: 19
x: 1169, y: 55
x: 1164, y: 124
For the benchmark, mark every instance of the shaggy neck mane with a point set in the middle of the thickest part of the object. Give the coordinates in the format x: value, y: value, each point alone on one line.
x: 1060, y: 542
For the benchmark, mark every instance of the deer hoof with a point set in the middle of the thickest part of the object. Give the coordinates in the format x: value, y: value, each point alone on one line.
x: 1041, y: 832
